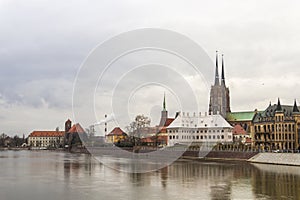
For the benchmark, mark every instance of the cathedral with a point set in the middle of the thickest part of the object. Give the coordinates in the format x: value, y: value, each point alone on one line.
x: 219, y: 94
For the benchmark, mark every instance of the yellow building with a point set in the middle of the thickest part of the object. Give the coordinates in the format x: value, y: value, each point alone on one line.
x: 116, y: 135
x: 278, y: 127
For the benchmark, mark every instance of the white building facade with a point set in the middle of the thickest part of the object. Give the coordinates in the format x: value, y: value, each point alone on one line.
x: 187, y: 129
x: 46, y: 138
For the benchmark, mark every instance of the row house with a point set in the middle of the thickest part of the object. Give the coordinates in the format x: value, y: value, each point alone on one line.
x: 277, y: 127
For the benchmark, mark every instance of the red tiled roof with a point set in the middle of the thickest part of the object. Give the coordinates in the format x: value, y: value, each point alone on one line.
x: 153, y: 138
x: 117, y: 131
x: 169, y: 121
x: 147, y: 140
x: 163, y: 130
x: 238, y: 130
x: 76, y: 128
x: 47, y: 134
x: 248, y: 140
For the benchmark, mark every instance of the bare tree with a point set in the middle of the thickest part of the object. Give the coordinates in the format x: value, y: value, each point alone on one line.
x: 3, y: 136
x: 135, y: 128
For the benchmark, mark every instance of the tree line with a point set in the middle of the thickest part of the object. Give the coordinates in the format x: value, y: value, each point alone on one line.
x: 15, y: 141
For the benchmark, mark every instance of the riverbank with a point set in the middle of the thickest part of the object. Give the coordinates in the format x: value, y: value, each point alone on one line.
x: 292, y: 159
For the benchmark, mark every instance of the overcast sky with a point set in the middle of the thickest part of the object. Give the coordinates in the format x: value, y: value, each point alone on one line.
x: 43, y: 44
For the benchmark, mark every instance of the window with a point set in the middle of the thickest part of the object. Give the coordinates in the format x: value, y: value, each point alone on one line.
x: 201, y: 137
x: 222, y: 137
x: 197, y: 137
x: 170, y: 137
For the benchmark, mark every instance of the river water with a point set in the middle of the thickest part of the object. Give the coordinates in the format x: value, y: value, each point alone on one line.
x: 44, y: 175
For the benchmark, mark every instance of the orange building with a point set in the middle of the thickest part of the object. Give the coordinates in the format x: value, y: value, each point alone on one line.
x: 116, y: 135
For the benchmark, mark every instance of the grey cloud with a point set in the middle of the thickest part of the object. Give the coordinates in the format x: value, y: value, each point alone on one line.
x: 43, y: 43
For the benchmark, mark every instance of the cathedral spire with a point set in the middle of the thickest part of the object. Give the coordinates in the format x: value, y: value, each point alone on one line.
x: 217, y: 70
x: 164, y: 113
x: 223, y: 75
x: 295, y: 108
x: 278, y: 108
x: 164, y: 103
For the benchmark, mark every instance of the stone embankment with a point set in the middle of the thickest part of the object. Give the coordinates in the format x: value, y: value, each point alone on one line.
x: 230, y: 155
x: 220, y: 155
x: 277, y: 158
x: 253, y: 157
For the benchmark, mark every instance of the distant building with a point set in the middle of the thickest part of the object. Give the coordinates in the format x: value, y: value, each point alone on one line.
x: 73, y: 134
x: 161, y: 138
x: 219, y: 102
x: 186, y: 129
x: 46, y: 139
x: 116, y: 135
x: 244, y: 119
x: 8, y: 141
x: 240, y: 134
x: 277, y: 127
x: 164, y: 119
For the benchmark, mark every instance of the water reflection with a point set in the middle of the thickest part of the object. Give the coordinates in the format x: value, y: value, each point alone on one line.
x: 276, y: 181
x: 79, y: 176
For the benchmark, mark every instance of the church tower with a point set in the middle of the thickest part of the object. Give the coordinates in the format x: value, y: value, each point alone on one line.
x: 219, y: 101
x: 68, y: 125
x: 164, y: 113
